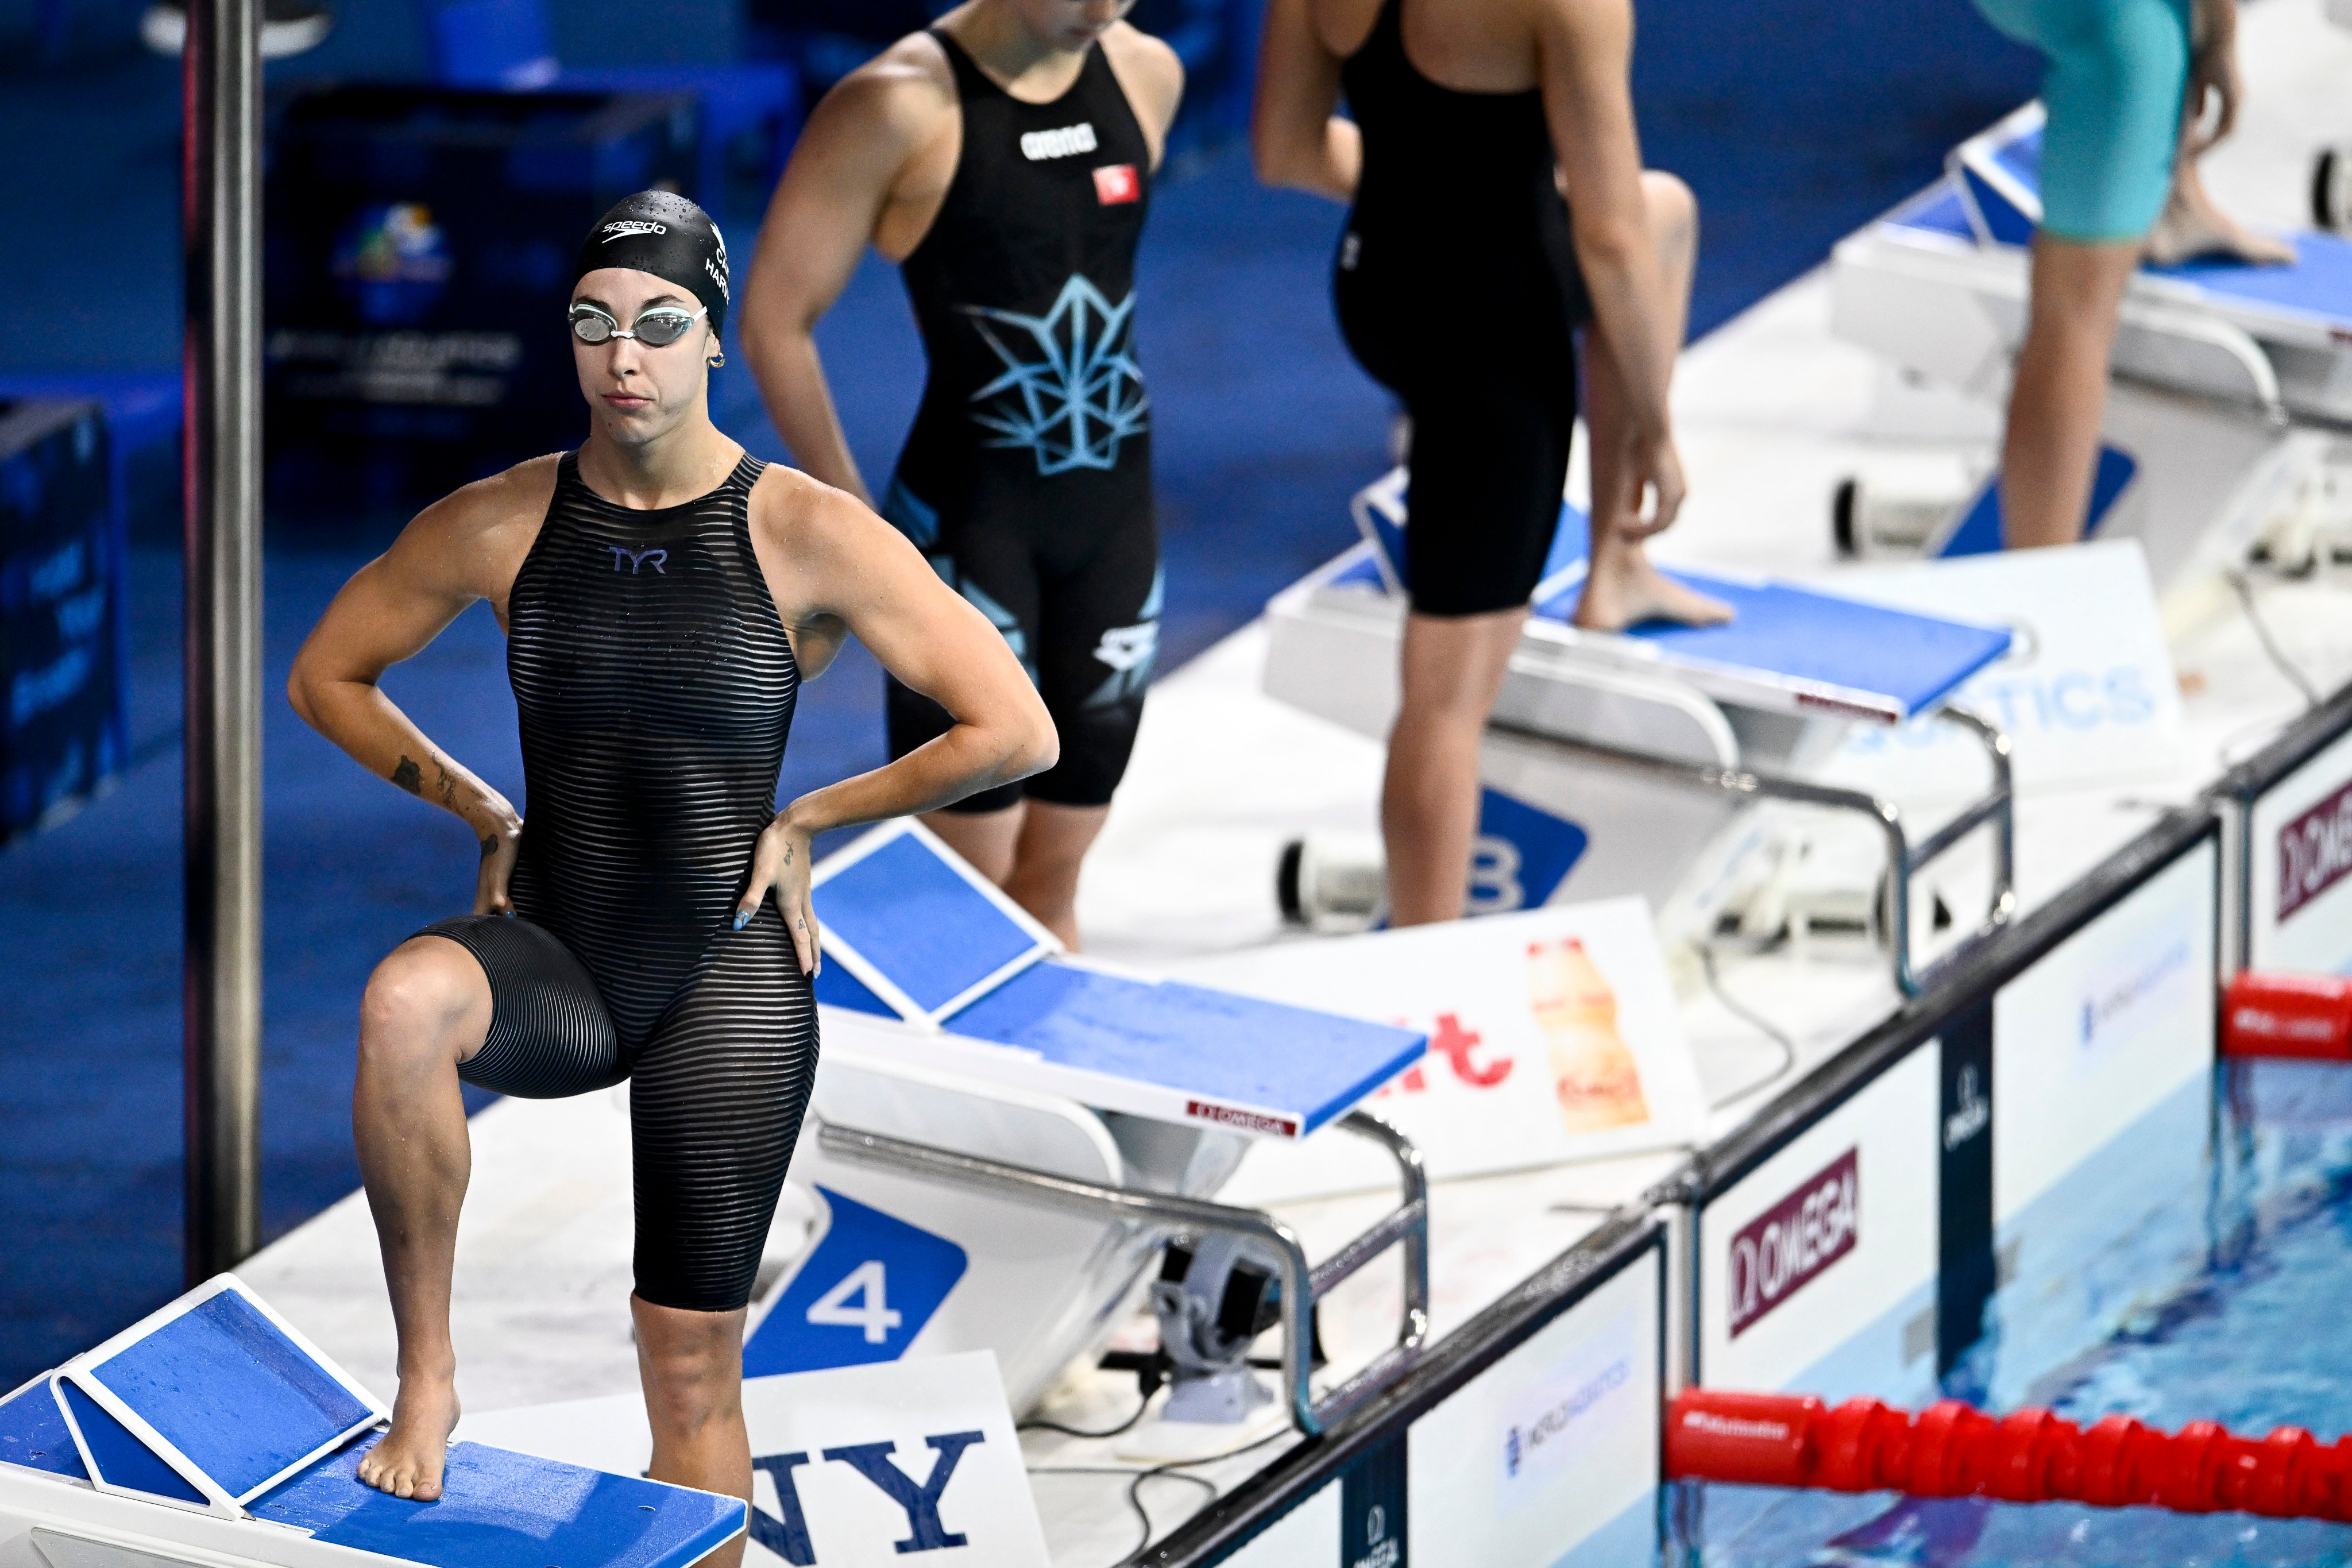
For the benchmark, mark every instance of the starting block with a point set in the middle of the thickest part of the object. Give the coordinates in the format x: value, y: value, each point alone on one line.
x: 2232, y: 381
x: 212, y: 1432
x: 1003, y: 1138
x: 1591, y: 724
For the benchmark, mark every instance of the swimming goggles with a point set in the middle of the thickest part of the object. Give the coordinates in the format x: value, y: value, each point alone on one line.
x: 657, y: 328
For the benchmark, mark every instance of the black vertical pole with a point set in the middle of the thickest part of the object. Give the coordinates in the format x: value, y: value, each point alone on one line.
x: 221, y: 228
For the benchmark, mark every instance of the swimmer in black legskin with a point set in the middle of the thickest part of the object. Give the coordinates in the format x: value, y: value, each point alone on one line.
x: 1003, y: 156
x: 1460, y: 279
x: 663, y: 595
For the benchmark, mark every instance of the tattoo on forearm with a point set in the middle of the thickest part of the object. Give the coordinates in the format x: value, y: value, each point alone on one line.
x: 409, y: 776
x: 490, y: 847
x: 446, y: 785
x: 788, y: 854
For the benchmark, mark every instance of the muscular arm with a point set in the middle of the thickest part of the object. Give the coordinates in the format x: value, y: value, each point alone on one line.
x: 456, y: 552
x: 1585, y: 53
x: 839, y: 568
x: 1296, y: 138
x: 829, y: 205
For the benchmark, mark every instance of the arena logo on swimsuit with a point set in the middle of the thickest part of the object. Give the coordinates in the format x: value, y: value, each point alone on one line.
x: 1066, y: 142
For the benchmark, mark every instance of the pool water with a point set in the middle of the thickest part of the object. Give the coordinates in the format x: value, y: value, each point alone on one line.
x: 2252, y: 1331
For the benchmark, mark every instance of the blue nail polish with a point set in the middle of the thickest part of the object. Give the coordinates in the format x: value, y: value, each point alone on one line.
x: 742, y: 916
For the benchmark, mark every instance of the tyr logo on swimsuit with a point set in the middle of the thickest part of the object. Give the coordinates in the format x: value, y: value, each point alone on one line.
x: 639, y: 559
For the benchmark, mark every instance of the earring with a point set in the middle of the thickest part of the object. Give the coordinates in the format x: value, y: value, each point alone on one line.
x: 718, y: 359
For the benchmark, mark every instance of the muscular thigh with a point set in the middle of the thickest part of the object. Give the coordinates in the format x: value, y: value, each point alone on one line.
x: 549, y: 1035
x: 715, y: 1107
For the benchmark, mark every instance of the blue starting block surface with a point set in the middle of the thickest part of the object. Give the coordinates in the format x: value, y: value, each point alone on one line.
x: 1996, y: 182
x: 1171, y: 1051
x: 215, y: 1389
x: 217, y: 1376
x: 917, y: 928
x: 33, y: 1435
x: 502, y: 1510
x: 1786, y: 649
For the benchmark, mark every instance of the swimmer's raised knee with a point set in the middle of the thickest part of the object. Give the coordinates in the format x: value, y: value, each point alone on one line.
x: 424, y: 991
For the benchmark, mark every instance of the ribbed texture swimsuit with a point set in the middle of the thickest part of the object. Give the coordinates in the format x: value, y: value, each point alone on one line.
x: 654, y: 685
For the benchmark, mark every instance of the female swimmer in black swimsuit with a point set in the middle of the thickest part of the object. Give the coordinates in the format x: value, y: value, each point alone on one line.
x: 1499, y: 205
x: 663, y: 595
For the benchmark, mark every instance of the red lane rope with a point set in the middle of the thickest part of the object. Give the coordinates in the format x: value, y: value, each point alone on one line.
x: 1952, y: 1449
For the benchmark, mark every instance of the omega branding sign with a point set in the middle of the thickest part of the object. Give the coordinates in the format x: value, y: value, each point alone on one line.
x: 1781, y: 1250
x: 2315, y: 851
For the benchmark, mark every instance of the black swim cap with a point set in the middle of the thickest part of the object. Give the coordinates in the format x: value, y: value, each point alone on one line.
x: 668, y: 235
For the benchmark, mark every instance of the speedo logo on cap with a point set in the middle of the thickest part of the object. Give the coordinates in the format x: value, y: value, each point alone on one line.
x: 629, y: 226
x: 1066, y: 143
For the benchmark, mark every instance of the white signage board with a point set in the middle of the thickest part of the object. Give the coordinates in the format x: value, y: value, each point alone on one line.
x: 2102, y: 1030
x: 2086, y: 694
x: 853, y: 1468
x: 1553, y: 1036
x: 2299, y: 885
x: 1815, y: 1267
x: 1554, y: 1445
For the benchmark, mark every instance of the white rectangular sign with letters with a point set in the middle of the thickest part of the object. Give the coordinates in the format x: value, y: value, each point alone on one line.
x: 859, y: 1467
x: 1553, y: 1036
x: 1815, y: 1265
x: 2299, y: 893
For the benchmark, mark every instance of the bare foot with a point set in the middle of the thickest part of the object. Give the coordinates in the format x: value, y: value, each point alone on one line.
x: 1631, y: 590
x: 2190, y: 226
x: 407, y: 1461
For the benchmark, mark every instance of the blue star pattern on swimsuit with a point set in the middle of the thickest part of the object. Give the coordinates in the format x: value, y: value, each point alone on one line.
x: 1071, y: 391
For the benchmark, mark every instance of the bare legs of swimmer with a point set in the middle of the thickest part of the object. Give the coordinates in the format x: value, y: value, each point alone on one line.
x: 1623, y: 588
x: 1031, y: 850
x: 1454, y: 665
x: 428, y: 1008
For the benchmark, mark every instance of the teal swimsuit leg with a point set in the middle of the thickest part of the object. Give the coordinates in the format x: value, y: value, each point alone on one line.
x: 2117, y: 73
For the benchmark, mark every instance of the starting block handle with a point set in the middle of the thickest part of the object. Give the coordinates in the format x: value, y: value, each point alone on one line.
x: 1407, y: 1225
x: 1904, y: 860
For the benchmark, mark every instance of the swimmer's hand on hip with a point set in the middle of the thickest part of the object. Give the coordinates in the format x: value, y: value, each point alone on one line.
x: 499, y: 832
x: 780, y: 868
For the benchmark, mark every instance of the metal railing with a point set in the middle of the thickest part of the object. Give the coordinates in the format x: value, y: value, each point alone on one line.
x: 1302, y: 1284
x: 1903, y: 858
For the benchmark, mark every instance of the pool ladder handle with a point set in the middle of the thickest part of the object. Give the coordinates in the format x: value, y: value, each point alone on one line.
x: 1406, y: 1225
x: 1903, y: 857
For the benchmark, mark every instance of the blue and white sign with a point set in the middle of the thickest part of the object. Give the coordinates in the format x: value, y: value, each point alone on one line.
x: 2086, y: 693
x: 861, y: 1295
x: 1521, y: 855
x: 900, y: 1464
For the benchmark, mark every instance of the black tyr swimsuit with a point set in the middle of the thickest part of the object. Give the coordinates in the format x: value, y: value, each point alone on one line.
x: 1026, y: 480
x: 1457, y: 288
x: 656, y: 685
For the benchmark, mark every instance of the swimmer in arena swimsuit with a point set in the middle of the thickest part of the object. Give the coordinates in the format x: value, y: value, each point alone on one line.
x: 663, y: 597
x: 1002, y: 157
x: 1498, y: 204
x: 2126, y: 88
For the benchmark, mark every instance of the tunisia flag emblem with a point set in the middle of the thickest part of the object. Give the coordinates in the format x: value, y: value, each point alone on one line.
x: 1116, y: 182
